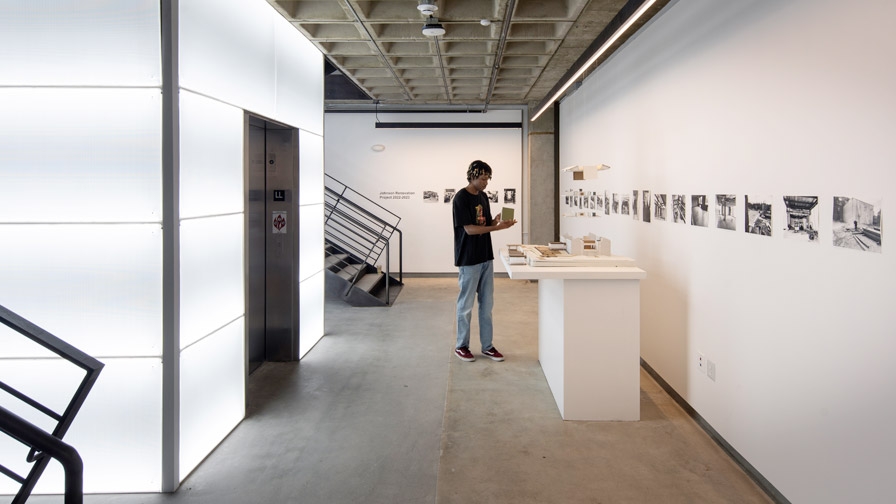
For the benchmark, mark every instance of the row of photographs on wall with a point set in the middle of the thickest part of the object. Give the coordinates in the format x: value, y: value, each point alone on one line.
x: 509, y: 195
x: 856, y: 224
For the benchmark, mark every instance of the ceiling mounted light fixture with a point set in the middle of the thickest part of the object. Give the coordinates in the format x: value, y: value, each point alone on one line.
x: 433, y: 28
x: 427, y: 8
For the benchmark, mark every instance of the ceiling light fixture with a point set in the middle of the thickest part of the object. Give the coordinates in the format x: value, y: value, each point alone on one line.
x: 433, y: 28
x: 606, y: 45
x: 427, y: 8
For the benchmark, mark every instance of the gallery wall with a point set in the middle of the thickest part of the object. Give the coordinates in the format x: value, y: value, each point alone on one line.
x: 758, y: 100
x: 413, y: 168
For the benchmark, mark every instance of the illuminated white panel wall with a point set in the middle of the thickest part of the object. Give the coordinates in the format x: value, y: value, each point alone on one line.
x: 53, y: 43
x: 212, y: 381
x: 299, y: 79
x: 311, y: 239
x: 226, y: 51
x: 80, y: 208
x: 234, y: 56
x: 212, y: 277
x: 211, y: 157
x: 246, y: 54
x: 80, y: 211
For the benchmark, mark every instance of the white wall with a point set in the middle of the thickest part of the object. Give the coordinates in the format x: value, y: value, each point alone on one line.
x: 417, y: 160
x: 235, y: 57
x: 761, y: 98
x: 81, y: 212
x: 80, y: 227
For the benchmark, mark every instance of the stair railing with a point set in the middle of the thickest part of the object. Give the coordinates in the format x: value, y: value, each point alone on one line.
x: 360, y: 227
x: 43, y: 445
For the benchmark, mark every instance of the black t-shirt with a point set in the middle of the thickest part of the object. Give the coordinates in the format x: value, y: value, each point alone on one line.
x: 471, y: 209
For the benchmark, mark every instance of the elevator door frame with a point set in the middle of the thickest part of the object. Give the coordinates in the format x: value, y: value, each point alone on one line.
x: 272, y: 245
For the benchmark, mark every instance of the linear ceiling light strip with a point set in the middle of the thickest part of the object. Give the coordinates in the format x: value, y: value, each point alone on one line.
x: 407, y: 93
x: 499, y: 54
x: 594, y: 57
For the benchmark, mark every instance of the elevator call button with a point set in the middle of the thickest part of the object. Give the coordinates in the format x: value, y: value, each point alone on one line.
x: 279, y: 195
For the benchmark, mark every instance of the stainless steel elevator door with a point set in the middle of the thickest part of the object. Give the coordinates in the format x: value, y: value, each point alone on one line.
x: 272, y: 248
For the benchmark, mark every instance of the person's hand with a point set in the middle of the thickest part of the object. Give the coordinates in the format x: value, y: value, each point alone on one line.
x: 502, y: 224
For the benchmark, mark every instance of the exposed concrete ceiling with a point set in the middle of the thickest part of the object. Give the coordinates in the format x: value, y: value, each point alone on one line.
x: 493, y: 52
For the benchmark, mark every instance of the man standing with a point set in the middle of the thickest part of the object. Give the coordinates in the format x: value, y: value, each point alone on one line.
x: 474, y: 258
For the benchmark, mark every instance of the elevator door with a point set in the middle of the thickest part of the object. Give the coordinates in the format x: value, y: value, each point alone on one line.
x: 272, y: 243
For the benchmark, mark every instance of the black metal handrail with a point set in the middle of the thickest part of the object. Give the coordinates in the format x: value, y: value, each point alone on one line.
x: 43, y: 445
x: 360, y: 227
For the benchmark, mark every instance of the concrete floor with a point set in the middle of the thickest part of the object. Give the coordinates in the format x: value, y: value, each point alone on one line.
x: 380, y: 411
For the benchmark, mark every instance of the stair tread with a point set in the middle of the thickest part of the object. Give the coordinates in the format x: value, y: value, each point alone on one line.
x: 349, y: 271
x: 368, y: 281
x: 335, y: 258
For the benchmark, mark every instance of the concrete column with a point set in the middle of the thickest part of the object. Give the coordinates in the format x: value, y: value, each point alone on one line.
x: 542, y: 208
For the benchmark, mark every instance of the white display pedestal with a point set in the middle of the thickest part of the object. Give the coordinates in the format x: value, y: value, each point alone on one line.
x: 589, y: 338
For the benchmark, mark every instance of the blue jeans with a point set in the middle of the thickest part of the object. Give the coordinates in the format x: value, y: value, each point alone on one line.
x: 477, y: 279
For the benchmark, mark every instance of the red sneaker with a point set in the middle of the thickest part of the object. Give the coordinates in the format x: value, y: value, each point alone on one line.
x: 463, y: 353
x: 493, y: 354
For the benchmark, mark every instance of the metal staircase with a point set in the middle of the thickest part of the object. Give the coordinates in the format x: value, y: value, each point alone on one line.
x: 357, y: 234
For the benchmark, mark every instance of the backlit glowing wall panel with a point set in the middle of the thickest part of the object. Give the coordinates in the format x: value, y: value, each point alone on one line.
x: 311, y: 312
x: 299, y: 98
x: 211, y: 157
x: 212, y: 392
x: 80, y: 155
x: 71, y: 43
x: 311, y: 227
x: 311, y: 168
x: 227, y: 51
x: 212, y: 292
x: 96, y: 286
x: 117, y: 432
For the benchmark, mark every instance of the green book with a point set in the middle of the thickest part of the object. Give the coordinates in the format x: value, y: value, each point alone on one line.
x: 506, y: 214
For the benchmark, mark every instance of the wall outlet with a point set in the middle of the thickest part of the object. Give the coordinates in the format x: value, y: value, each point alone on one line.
x: 701, y: 362
x: 711, y: 370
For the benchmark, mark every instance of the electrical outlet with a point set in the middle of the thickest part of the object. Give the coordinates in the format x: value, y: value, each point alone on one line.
x: 711, y: 370
x: 701, y: 362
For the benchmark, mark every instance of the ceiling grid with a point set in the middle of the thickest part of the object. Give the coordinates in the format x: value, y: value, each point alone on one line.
x: 478, y: 61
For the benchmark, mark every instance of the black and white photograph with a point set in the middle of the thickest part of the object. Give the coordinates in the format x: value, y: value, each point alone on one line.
x: 606, y: 203
x: 449, y: 195
x: 758, y: 215
x: 645, y: 201
x: 726, y: 205
x: 492, y: 196
x: 699, y: 210
x: 856, y: 224
x: 430, y: 196
x: 659, y: 206
x: 626, y: 204
x: 679, y: 209
x: 510, y: 196
x: 598, y: 203
x: 801, y: 218
x: 615, y: 203
x: 592, y: 204
x: 635, y: 204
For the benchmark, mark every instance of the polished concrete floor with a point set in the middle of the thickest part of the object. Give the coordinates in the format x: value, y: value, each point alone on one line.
x: 380, y: 411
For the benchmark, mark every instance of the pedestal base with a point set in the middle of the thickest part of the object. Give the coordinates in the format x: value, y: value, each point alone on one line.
x: 589, y: 346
